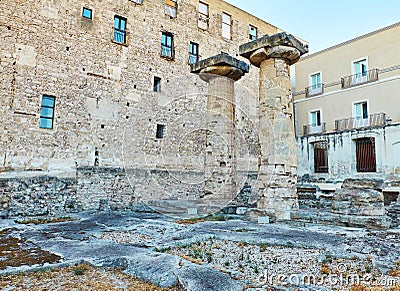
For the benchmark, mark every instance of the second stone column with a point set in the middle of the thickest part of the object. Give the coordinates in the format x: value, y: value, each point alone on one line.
x: 277, y: 161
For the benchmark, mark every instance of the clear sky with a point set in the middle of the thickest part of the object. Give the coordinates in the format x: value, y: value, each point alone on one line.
x: 324, y: 23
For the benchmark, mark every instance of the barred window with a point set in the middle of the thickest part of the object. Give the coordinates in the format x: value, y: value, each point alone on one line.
x: 365, y: 155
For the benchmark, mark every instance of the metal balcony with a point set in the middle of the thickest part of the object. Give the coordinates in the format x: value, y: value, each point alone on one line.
x: 167, y: 52
x: 171, y: 8
x: 315, y: 90
x: 374, y: 120
x: 119, y: 36
x: 193, y: 58
x: 361, y: 78
x: 311, y: 129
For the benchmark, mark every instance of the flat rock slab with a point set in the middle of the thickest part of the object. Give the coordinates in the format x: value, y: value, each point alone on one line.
x: 90, y: 238
x: 201, y: 278
x: 157, y: 268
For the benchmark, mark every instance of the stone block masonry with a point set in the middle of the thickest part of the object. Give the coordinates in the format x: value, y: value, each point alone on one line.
x: 106, y: 111
x: 277, y: 161
x: 104, y: 189
x: 220, y: 72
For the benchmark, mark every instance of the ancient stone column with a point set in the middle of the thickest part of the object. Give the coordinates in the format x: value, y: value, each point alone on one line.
x: 277, y: 161
x: 220, y: 72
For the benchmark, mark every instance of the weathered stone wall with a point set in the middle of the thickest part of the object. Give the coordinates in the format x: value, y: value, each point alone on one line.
x: 106, y: 112
x: 342, y: 156
x: 107, y: 189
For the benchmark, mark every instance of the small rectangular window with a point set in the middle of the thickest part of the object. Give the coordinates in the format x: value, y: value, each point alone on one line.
x: 360, y: 69
x: 137, y: 1
x: 365, y: 155
x: 316, y: 118
x: 193, y: 53
x: 252, y: 32
x: 360, y: 115
x: 203, y: 16
x: 167, y: 45
x: 171, y: 8
x: 47, y: 112
x: 157, y: 84
x: 160, y: 131
x: 119, y: 29
x: 316, y: 87
x: 226, y: 25
x: 87, y: 13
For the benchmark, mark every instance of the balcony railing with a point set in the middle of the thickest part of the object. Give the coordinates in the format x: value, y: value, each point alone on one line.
x: 310, y: 129
x: 167, y: 52
x: 119, y: 35
x: 361, y: 78
x: 171, y: 8
x: 374, y: 120
x: 203, y: 21
x: 193, y: 58
x: 314, y: 90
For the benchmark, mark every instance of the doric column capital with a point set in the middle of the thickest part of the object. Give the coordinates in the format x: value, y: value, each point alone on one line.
x: 220, y: 65
x: 209, y: 73
x: 283, y: 46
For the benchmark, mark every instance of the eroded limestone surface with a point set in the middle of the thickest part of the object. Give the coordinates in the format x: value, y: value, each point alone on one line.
x: 230, y: 255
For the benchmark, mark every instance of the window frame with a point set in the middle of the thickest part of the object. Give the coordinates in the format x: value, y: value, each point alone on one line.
x: 250, y: 35
x: 226, y: 25
x: 361, y: 120
x: 156, y: 84
x: 160, y: 131
x: 196, y: 55
x: 361, y: 164
x: 359, y: 77
x: 119, y: 30
x: 318, y: 113
x: 46, y: 117
x: 203, y: 18
x: 84, y: 8
x: 321, y: 157
x: 171, y: 8
x: 165, y: 47
x: 310, y: 80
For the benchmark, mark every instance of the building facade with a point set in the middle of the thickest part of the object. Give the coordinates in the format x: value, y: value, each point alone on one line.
x: 347, y: 113
x: 98, y: 105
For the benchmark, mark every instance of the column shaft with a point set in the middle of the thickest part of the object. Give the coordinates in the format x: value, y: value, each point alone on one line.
x: 220, y: 159
x: 277, y: 163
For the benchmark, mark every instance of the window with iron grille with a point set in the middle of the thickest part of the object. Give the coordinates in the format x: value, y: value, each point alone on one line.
x: 321, y: 157
x: 160, y: 131
x: 167, y: 45
x: 365, y: 155
x: 47, y: 112
x: 252, y: 32
x: 193, y: 53
x: 119, y: 29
